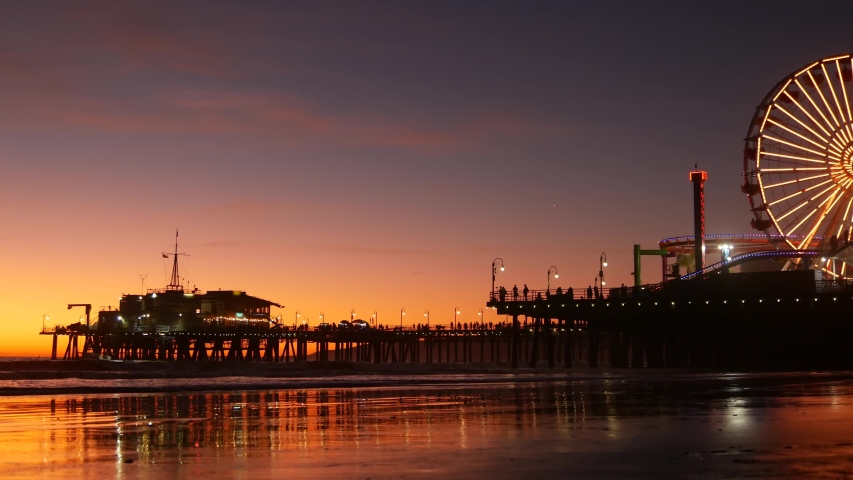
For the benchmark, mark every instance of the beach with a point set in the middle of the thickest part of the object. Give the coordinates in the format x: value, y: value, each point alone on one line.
x: 404, y: 424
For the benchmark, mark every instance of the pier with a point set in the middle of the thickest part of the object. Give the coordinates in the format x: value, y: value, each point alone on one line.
x: 721, y: 322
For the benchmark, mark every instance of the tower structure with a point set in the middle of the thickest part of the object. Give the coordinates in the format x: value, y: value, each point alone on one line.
x: 698, y: 178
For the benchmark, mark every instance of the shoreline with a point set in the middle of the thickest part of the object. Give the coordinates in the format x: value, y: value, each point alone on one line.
x: 84, y: 377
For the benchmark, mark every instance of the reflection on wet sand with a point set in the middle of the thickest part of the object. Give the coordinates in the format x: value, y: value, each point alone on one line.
x: 709, y: 425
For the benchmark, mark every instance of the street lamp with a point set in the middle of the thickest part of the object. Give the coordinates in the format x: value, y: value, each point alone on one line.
x: 494, y: 263
x: 296, y: 320
x: 322, y: 317
x: 352, y: 314
x: 43, y: 319
x: 402, y: 312
x: 726, y: 252
x: 480, y: 314
x: 595, y: 283
x: 602, y: 262
x: 556, y: 275
x: 375, y: 317
x: 455, y: 313
x: 426, y: 314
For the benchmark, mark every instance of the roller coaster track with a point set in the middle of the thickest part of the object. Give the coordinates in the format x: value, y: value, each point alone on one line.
x: 749, y: 257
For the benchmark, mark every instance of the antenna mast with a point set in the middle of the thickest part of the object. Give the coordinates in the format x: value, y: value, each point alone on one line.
x: 175, y: 282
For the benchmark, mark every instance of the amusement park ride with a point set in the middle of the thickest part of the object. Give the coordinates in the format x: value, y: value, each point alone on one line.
x: 798, y: 173
x: 778, y: 298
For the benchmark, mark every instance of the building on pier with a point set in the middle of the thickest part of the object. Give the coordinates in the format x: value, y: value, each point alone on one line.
x: 174, y: 310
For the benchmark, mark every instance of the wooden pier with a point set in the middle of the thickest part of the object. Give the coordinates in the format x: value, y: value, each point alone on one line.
x: 727, y: 322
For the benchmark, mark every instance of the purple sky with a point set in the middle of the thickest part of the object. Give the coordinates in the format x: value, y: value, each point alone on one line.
x: 396, y: 145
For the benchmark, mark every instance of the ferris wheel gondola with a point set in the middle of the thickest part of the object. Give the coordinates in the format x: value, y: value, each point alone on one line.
x: 798, y: 159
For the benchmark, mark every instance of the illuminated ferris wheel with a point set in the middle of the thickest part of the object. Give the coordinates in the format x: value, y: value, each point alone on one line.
x: 798, y: 159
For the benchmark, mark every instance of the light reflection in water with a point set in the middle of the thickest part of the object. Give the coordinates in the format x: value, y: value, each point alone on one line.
x: 425, y: 430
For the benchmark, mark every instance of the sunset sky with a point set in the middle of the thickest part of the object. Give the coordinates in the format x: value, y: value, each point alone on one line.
x: 370, y: 155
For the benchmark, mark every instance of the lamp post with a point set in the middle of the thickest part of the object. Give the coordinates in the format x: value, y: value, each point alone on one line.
x: 556, y: 275
x: 44, y: 318
x: 296, y: 320
x: 322, y: 317
x: 494, y: 271
x: 426, y: 314
x: 602, y: 262
x: 402, y: 313
x: 480, y: 314
x: 375, y: 317
x: 455, y: 313
x: 352, y: 315
x: 726, y: 252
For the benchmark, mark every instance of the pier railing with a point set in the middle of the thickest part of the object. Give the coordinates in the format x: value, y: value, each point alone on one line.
x: 572, y: 294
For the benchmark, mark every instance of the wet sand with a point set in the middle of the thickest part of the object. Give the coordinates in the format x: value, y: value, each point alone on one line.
x: 653, y: 425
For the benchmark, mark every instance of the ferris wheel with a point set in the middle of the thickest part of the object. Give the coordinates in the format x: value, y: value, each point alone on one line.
x: 798, y: 158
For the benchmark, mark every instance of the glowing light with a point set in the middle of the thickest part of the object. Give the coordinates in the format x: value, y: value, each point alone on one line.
x: 792, y: 157
x: 802, y: 124
x: 768, y: 137
x: 783, y: 127
x: 795, y: 181
x: 792, y: 169
x: 823, y: 98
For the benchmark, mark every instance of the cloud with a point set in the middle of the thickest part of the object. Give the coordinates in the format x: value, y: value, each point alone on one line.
x: 193, y: 70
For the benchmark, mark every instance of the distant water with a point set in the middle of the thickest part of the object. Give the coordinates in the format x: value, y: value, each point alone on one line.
x: 638, y: 426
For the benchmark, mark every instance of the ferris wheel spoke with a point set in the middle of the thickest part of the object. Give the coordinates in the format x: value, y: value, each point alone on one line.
x: 844, y: 91
x: 823, y: 215
x: 791, y: 169
x: 797, y: 226
x: 809, y: 97
x: 844, y: 217
x: 796, y: 180
x: 783, y: 127
x: 805, y: 202
x: 793, y: 157
x: 846, y: 211
x: 832, y: 89
x: 829, y: 192
x: 788, y: 197
x: 823, y: 98
x: 794, y: 117
x: 790, y: 144
x: 792, y: 210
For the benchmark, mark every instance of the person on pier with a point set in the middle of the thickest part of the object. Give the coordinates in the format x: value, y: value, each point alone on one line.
x: 526, y: 291
x: 515, y: 293
x: 596, y: 293
x: 589, y: 293
x: 571, y: 293
x: 502, y: 294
